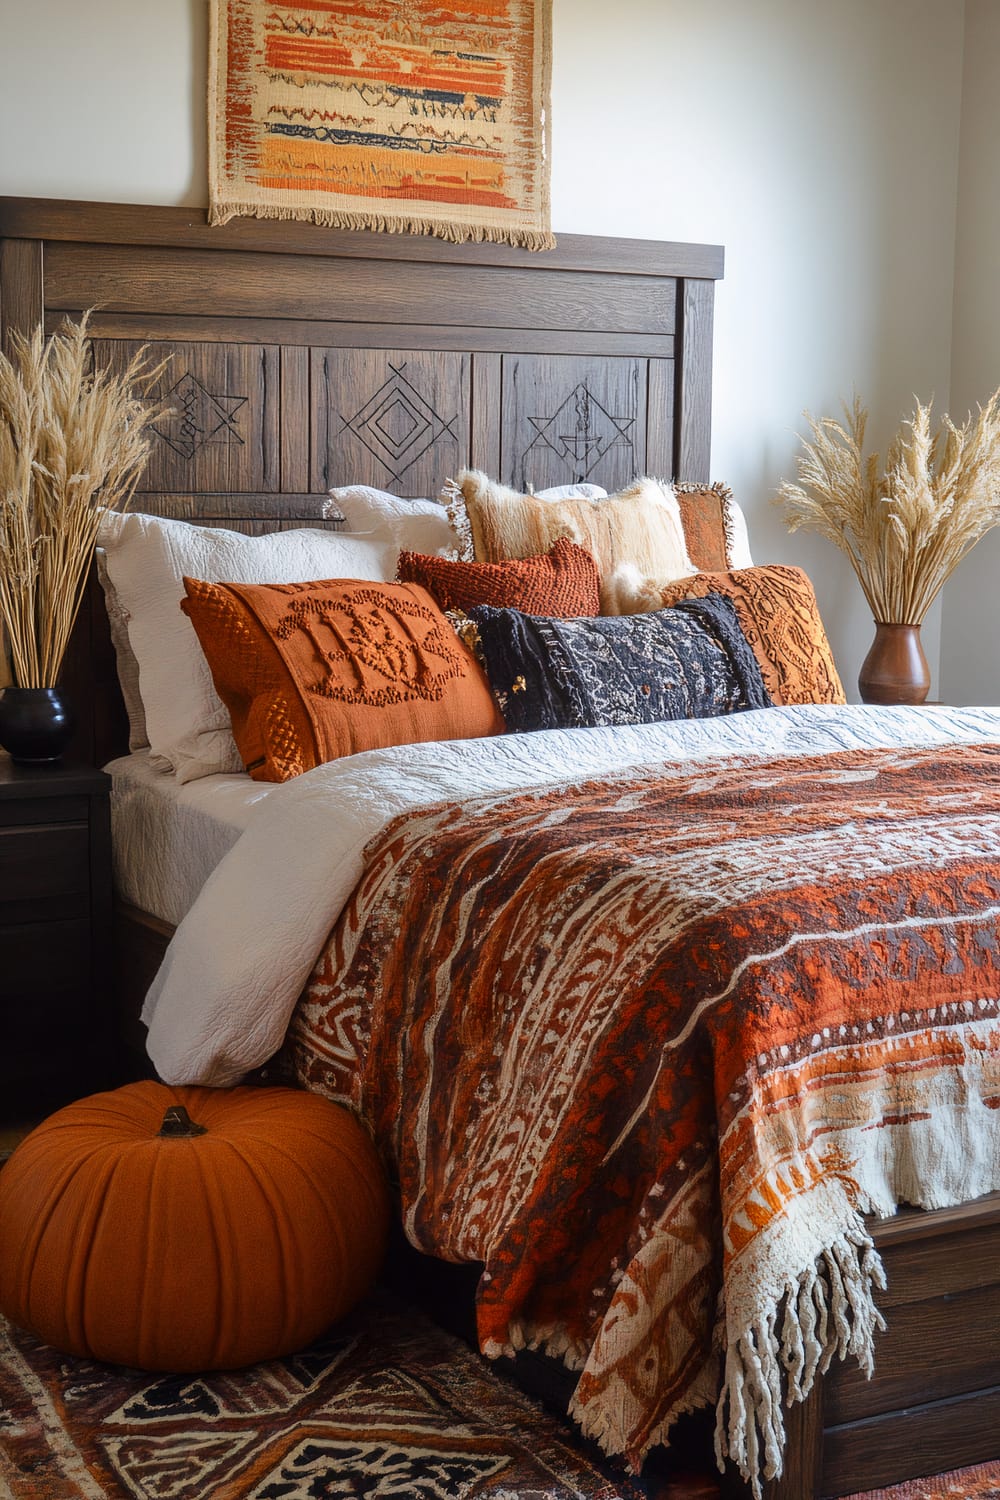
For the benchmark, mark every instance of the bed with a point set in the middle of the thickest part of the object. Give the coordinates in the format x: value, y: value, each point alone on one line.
x: 291, y: 347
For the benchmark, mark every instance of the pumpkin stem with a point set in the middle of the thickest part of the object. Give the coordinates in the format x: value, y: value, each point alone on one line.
x: 178, y: 1123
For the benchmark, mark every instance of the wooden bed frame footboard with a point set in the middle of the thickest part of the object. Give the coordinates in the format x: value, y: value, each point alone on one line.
x: 303, y: 358
x: 934, y: 1401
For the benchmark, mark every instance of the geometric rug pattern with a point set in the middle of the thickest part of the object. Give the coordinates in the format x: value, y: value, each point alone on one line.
x: 385, y: 1405
x: 979, y: 1483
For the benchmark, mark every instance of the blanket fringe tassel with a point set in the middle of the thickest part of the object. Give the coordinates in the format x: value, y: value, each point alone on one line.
x: 827, y: 1311
x: 552, y: 1340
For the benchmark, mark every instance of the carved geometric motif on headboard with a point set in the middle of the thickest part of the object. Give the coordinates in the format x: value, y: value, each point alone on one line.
x: 568, y: 418
x: 397, y: 420
x: 196, y: 416
x: 219, y: 430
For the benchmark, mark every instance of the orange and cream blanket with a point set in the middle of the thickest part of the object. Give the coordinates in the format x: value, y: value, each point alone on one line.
x: 650, y: 1045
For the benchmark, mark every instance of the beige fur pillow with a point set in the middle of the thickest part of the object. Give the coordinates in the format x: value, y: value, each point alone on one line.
x: 640, y: 525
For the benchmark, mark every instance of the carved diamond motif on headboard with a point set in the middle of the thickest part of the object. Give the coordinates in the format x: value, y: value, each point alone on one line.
x: 217, y: 428
x: 397, y: 425
x: 570, y: 417
x: 394, y: 418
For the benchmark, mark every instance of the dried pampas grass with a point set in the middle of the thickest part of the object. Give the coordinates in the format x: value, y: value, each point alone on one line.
x: 73, y: 443
x: 905, y: 528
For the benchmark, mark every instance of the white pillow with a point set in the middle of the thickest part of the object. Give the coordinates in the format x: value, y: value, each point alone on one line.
x: 437, y: 527
x: 147, y: 558
x: 407, y: 525
x: 125, y: 662
x: 572, y: 492
x: 737, y: 535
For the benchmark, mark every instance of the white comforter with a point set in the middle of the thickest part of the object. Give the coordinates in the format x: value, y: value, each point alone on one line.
x: 224, y: 995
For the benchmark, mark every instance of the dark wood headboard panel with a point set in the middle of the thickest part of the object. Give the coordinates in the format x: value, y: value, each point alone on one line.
x: 303, y: 358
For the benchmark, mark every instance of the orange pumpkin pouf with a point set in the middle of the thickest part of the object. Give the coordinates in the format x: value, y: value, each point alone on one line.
x: 190, y: 1229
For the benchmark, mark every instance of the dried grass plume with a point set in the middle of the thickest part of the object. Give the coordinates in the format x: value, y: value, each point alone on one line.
x: 907, y: 526
x: 73, y: 443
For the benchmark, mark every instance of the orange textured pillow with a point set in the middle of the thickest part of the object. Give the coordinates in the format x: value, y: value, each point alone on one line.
x: 715, y: 528
x: 313, y: 671
x: 780, y: 618
x: 704, y: 529
x: 563, y: 583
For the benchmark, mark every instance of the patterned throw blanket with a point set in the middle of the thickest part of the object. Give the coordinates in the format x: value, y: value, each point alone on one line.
x: 649, y: 1047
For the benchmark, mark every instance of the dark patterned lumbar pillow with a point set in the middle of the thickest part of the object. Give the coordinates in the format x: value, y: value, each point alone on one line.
x: 688, y: 662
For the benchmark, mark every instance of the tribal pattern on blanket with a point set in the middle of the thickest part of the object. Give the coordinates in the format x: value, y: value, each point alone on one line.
x: 650, y: 1046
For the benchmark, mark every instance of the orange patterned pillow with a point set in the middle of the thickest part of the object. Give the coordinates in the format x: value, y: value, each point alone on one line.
x: 563, y: 584
x: 780, y: 618
x: 313, y: 671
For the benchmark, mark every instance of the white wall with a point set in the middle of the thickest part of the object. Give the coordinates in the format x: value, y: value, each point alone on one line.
x: 970, y: 661
x: 104, y: 100
x: 816, y: 139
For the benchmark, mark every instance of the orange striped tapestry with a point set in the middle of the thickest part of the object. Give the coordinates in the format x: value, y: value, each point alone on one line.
x: 398, y: 115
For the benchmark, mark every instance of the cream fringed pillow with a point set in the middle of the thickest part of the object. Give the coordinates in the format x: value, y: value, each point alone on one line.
x: 640, y: 525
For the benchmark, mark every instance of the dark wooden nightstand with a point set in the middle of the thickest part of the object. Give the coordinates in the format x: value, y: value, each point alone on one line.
x: 57, y: 1039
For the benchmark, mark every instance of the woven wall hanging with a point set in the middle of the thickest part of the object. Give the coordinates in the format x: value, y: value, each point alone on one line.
x: 399, y: 115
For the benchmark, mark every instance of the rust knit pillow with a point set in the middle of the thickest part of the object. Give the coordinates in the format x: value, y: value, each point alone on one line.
x: 779, y: 616
x: 563, y: 584
x: 313, y: 671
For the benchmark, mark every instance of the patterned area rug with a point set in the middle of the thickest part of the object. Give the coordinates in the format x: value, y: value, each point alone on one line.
x: 979, y: 1483
x: 386, y: 1406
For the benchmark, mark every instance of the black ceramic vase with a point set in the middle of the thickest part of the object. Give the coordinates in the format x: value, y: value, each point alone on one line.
x: 35, y: 724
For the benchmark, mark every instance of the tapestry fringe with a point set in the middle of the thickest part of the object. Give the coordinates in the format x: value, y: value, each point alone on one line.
x: 827, y: 1311
x: 327, y: 218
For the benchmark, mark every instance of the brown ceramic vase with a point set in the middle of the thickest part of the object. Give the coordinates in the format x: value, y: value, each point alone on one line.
x: 895, y: 669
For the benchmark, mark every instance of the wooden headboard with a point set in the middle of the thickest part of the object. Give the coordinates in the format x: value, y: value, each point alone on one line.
x: 303, y: 358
